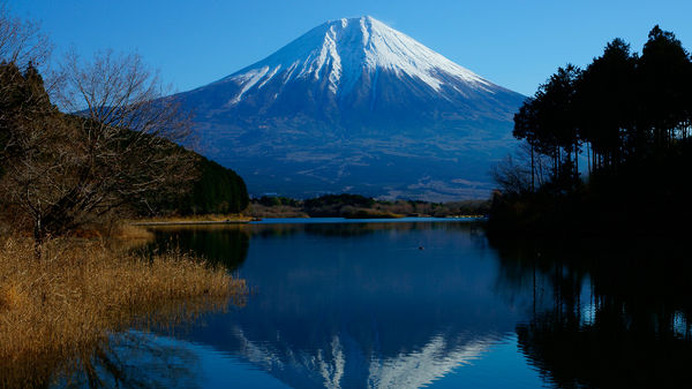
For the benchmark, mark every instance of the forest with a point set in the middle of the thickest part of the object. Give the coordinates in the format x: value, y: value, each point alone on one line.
x: 63, y: 172
x: 605, y: 148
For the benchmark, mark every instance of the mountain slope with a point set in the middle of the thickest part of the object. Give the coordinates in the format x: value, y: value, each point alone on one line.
x: 354, y: 105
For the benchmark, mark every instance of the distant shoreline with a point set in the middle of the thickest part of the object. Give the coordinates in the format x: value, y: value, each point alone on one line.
x: 268, y: 220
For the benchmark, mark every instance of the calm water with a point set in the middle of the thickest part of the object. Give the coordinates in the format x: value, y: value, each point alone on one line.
x: 425, y: 304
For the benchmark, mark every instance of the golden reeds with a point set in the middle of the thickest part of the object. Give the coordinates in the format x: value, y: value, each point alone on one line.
x: 54, y: 309
x: 127, y: 231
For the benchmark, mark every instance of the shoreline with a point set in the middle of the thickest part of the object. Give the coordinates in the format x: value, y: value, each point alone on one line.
x: 269, y: 220
x: 59, y: 310
x: 189, y: 223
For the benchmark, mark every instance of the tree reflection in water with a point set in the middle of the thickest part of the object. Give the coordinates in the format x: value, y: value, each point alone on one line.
x: 127, y: 358
x: 135, y: 360
x: 606, y: 314
x: 600, y: 313
x: 225, y: 245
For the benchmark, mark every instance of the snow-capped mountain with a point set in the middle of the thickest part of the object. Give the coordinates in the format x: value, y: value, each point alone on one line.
x: 354, y: 105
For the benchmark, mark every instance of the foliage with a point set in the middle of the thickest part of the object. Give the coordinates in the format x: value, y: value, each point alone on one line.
x: 631, y: 115
x: 218, y: 190
x: 213, y: 189
x: 622, y: 106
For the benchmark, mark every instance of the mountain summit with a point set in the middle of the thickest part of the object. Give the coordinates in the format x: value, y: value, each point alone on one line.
x: 341, y: 55
x: 354, y: 105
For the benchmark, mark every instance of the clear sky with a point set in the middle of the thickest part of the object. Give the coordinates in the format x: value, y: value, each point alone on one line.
x: 514, y: 43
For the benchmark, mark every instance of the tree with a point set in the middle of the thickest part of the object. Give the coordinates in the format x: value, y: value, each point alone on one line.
x: 526, y: 127
x: 63, y: 171
x: 218, y: 190
x: 606, y: 98
x: 548, y: 122
x: 512, y: 177
x: 21, y: 41
x: 35, y: 156
x: 21, y: 44
x: 664, y: 73
x: 559, y: 116
x: 635, y: 113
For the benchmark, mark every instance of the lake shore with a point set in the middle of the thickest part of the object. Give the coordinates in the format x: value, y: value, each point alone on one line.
x: 191, y: 219
x: 56, y: 310
x: 188, y: 222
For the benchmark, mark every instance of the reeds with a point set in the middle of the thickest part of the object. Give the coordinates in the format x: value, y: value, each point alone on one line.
x: 55, y: 309
x: 128, y: 231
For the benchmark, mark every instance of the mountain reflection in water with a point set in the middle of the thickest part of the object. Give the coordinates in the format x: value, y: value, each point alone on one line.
x: 408, y: 305
x: 362, y: 305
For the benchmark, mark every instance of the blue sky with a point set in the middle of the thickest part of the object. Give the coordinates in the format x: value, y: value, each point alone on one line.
x: 516, y: 44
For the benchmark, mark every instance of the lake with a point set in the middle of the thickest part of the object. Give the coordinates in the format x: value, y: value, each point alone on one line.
x: 424, y: 303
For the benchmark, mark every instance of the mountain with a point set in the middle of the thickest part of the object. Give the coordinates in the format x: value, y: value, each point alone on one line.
x: 356, y: 106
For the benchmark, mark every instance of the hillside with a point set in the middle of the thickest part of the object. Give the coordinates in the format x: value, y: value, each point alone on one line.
x: 61, y: 171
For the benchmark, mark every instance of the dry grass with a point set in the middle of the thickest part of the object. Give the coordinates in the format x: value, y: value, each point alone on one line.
x: 132, y: 232
x: 55, y: 309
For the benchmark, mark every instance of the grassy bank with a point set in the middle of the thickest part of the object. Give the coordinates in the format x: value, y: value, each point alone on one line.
x: 59, y: 308
x: 201, y: 218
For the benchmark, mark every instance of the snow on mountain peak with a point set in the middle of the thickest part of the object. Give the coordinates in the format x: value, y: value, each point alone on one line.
x: 350, y: 106
x: 340, y: 52
x: 390, y: 49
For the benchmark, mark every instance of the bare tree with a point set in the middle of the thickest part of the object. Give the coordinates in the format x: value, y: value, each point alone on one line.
x: 113, y: 92
x: 117, y: 148
x: 512, y: 176
x: 119, y: 91
x: 21, y: 41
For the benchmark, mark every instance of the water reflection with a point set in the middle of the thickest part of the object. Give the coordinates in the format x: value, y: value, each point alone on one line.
x: 124, y: 358
x: 606, y: 313
x: 135, y: 360
x: 404, y: 305
x: 226, y: 245
x: 364, y: 305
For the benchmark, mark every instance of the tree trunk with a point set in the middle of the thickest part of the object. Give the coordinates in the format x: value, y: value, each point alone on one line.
x: 576, y: 160
x: 533, y: 171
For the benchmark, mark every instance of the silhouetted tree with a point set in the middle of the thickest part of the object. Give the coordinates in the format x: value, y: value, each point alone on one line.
x: 606, y: 101
x: 513, y: 176
x: 633, y: 112
x: 664, y: 75
x: 548, y: 123
x: 526, y: 127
